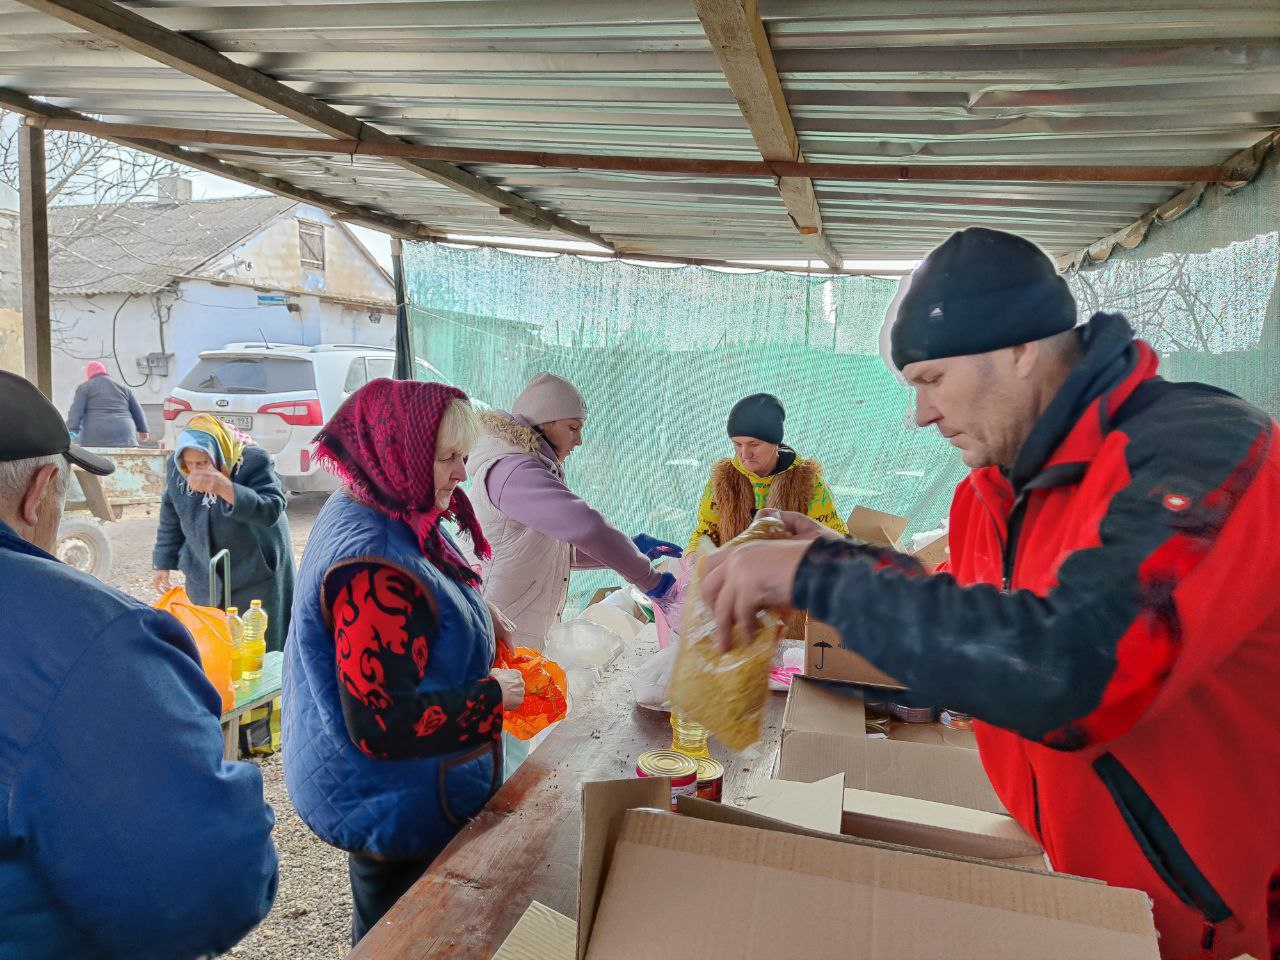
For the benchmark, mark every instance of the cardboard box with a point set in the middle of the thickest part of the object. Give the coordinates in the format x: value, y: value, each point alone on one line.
x: 926, y: 825
x: 886, y: 529
x: 934, y: 552
x: 876, y: 527
x: 540, y: 934
x: 717, y: 882
x: 825, y: 659
x: 818, y: 806
x: 827, y: 807
x: 824, y: 733
x: 601, y: 594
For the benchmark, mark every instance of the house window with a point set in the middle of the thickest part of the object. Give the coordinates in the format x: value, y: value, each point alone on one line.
x: 311, y: 244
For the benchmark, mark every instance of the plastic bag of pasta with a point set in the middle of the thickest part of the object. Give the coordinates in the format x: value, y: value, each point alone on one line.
x: 725, y: 692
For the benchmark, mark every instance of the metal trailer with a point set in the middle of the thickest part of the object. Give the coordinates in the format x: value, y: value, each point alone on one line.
x: 93, y: 502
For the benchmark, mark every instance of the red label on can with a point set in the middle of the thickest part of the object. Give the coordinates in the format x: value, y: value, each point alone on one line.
x: 711, y: 789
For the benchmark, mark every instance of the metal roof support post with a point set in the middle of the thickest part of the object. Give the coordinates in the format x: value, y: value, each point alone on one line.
x: 37, y: 334
x: 404, y: 338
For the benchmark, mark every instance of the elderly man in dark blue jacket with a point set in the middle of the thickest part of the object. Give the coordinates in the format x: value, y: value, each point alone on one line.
x: 123, y: 833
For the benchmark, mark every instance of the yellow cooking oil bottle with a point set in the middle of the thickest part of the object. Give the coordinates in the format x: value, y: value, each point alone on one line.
x: 236, y: 626
x: 255, y: 639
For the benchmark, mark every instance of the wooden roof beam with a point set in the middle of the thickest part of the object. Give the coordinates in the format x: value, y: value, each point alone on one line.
x: 352, y: 213
x: 741, y: 45
x: 110, y: 21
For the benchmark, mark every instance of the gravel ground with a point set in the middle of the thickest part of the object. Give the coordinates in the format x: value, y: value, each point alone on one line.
x: 311, y: 919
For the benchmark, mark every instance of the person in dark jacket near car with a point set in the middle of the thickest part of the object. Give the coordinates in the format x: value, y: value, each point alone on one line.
x: 222, y: 492
x: 105, y: 413
x: 124, y: 833
x: 1109, y: 612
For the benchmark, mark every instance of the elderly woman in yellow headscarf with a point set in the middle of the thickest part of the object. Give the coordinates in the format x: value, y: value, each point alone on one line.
x: 222, y: 492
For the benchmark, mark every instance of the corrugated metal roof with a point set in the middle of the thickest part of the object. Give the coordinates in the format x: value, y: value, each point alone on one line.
x: 1161, y: 82
x: 141, y: 247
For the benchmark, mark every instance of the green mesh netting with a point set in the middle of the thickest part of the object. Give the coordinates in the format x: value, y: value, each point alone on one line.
x: 661, y: 354
x: 1205, y: 290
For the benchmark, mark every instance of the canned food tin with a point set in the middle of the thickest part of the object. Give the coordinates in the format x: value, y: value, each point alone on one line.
x: 682, y: 770
x: 911, y: 714
x: 956, y: 721
x: 877, y: 727
x: 877, y: 718
x: 710, y: 779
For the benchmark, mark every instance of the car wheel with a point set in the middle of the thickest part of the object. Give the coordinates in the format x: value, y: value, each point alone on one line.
x: 83, y: 544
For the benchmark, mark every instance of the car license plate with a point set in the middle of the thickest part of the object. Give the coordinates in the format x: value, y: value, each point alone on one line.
x: 244, y: 423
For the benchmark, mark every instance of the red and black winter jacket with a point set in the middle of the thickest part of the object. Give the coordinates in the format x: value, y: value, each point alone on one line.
x: 1112, y: 614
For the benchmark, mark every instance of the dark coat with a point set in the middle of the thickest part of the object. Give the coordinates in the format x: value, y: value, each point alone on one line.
x: 106, y: 414
x: 255, y: 530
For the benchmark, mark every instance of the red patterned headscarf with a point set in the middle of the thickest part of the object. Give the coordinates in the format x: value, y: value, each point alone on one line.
x: 382, y: 442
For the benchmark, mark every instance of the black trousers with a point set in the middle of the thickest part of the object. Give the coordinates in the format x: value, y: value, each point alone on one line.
x: 376, y: 885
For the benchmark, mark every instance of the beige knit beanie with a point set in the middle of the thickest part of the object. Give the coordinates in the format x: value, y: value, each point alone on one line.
x: 548, y: 398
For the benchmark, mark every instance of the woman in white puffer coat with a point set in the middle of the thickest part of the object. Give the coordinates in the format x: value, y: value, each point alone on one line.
x: 538, y: 528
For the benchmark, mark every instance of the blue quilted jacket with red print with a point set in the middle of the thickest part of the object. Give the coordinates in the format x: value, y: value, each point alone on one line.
x: 395, y: 809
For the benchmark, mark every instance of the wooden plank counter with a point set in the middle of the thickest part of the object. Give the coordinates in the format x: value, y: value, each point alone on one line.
x: 523, y: 846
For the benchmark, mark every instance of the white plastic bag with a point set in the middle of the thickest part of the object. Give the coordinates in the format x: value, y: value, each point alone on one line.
x: 581, y: 643
x: 581, y: 680
x: 623, y: 600
x: 619, y: 621
x: 649, y: 682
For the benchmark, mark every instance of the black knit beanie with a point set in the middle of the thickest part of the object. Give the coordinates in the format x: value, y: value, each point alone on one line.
x: 760, y: 416
x: 982, y: 290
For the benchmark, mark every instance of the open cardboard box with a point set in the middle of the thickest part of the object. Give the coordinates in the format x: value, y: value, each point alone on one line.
x: 886, y: 530
x: 828, y: 807
x: 824, y: 733
x: 824, y: 657
x: 877, y: 527
x: 719, y: 882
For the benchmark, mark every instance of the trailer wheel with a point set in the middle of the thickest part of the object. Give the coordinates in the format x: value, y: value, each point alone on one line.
x: 83, y: 544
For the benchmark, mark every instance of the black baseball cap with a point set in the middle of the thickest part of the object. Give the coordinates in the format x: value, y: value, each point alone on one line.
x: 34, y: 428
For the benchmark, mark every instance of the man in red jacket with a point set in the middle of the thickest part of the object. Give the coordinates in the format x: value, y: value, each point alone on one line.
x: 1111, y: 611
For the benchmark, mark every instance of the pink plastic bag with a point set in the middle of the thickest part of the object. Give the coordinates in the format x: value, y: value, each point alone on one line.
x: 669, y: 611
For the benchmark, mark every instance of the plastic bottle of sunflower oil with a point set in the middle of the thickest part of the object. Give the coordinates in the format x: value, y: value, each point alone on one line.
x: 236, y: 626
x: 688, y: 736
x: 255, y: 640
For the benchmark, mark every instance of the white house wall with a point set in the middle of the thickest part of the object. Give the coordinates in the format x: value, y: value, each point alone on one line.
x: 200, y: 315
x: 272, y: 259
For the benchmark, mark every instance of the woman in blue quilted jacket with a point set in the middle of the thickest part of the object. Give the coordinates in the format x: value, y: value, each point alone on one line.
x: 393, y: 707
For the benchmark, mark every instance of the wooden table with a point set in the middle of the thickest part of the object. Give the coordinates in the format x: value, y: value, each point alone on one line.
x: 523, y: 845
x: 250, y: 695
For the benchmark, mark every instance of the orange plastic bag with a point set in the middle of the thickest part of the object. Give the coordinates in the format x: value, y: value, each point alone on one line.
x: 544, y: 692
x: 208, y: 627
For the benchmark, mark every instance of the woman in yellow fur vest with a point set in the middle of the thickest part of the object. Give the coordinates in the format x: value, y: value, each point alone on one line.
x: 763, y: 473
